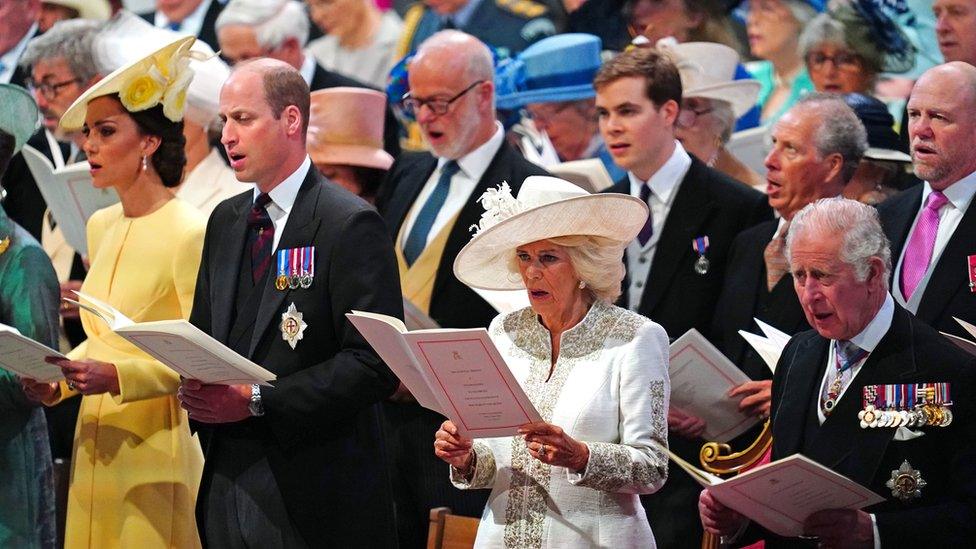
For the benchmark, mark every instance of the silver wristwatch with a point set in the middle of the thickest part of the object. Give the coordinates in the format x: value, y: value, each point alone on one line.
x: 256, y: 407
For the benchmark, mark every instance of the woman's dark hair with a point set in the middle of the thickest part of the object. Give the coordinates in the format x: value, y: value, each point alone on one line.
x: 170, y: 158
x: 369, y: 180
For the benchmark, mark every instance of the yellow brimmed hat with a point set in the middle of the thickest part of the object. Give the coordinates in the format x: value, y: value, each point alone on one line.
x: 161, y: 77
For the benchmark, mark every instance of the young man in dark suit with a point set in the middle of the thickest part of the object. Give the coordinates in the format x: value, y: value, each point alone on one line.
x: 932, y: 226
x: 864, y: 344
x: 303, y: 460
x: 676, y: 266
x: 817, y: 146
x: 432, y: 205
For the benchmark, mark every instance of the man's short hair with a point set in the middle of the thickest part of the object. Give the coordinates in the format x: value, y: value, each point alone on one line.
x: 284, y: 86
x: 857, y: 223
x: 71, y: 40
x: 840, y: 131
x: 663, y: 82
x: 273, y: 21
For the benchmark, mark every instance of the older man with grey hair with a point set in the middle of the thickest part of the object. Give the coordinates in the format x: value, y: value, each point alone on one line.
x: 817, y: 146
x: 278, y: 29
x: 833, y: 395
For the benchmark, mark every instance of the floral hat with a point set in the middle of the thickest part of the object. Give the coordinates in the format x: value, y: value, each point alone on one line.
x: 546, y: 207
x: 161, y: 77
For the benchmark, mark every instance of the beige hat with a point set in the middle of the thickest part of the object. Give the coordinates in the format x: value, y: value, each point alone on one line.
x: 160, y: 77
x: 87, y: 9
x: 18, y: 114
x: 708, y: 70
x: 546, y: 207
x: 346, y: 127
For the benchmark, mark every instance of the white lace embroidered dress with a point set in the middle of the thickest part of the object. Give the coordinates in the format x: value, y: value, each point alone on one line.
x: 609, y: 389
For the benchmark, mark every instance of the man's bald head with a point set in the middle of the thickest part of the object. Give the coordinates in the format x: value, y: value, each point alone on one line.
x: 455, y: 52
x: 283, y: 85
x: 942, y: 124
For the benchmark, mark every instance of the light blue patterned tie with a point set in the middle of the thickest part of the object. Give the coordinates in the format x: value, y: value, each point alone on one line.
x: 417, y: 239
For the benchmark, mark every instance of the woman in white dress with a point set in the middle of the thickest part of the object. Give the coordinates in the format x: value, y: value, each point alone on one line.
x: 596, y: 373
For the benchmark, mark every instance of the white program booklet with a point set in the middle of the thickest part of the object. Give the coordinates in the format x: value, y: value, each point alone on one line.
x: 69, y: 194
x: 782, y: 494
x: 770, y: 345
x: 25, y: 357
x: 701, y: 377
x: 457, y: 373
x: 961, y: 342
x: 181, y: 346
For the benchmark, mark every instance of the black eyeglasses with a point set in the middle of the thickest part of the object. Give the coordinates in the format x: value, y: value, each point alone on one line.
x: 688, y: 116
x: 48, y: 90
x: 438, y: 106
x: 843, y: 60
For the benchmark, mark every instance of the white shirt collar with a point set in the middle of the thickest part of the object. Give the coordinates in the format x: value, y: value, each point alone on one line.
x: 871, y: 335
x: 191, y: 24
x: 667, y: 178
x: 475, y: 163
x: 960, y: 193
x: 12, y: 57
x: 308, y: 69
x: 284, y: 194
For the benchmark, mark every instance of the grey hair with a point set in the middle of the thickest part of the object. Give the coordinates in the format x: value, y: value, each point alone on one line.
x: 801, y: 11
x: 722, y: 111
x: 840, y: 131
x: 825, y: 29
x: 71, y: 40
x: 480, y: 65
x: 597, y: 260
x: 859, y: 226
x: 273, y: 21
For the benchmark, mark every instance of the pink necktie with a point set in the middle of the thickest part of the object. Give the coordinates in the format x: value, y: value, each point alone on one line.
x: 919, y: 251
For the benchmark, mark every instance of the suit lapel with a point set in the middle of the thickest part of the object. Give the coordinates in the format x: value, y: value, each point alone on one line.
x: 753, y: 271
x: 951, y: 272
x: 407, y: 191
x: 902, y: 214
x: 892, y: 361
x: 689, y: 211
x: 230, y: 249
x: 622, y: 187
x: 800, y: 378
x: 299, y: 232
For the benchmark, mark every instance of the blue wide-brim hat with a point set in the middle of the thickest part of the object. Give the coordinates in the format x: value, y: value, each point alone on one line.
x: 18, y: 114
x: 558, y: 68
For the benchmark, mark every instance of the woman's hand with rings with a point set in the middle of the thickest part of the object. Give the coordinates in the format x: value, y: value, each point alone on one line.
x: 88, y: 377
x: 453, y: 448
x: 550, y: 444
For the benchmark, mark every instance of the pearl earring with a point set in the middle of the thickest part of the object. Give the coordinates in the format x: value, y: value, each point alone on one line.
x: 145, y: 164
x: 582, y: 285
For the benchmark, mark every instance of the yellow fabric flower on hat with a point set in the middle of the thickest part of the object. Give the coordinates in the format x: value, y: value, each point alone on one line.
x: 174, y: 98
x: 141, y: 92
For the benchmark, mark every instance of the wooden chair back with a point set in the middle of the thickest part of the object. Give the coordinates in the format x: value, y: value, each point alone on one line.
x: 449, y: 531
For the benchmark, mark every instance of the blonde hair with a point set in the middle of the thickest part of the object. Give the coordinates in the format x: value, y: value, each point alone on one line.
x: 597, y: 260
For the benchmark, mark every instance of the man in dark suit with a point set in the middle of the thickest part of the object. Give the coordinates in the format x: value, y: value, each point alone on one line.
x: 303, y: 460
x: 432, y: 205
x: 863, y: 343
x: 676, y: 266
x: 932, y: 227
x: 817, y: 146
x: 242, y: 29
x: 195, y: 17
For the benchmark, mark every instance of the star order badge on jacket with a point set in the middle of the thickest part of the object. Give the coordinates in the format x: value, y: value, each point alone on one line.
x: 292, y: 326
x: 906, y: 483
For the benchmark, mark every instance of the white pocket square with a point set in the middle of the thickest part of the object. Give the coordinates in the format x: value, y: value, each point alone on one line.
x: 904, y: 433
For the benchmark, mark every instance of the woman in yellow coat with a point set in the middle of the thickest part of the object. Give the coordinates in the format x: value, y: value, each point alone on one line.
x: 135, y: 468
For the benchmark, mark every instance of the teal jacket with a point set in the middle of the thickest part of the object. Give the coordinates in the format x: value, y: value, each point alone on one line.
x: 29, y: 302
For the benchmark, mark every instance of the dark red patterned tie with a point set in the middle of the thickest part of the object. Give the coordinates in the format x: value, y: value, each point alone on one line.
x: 261, y: 235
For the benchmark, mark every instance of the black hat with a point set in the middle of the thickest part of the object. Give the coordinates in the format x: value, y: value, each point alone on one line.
x: 883, y: 142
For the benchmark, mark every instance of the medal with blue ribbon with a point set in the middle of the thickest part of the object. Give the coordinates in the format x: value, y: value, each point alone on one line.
x: 700, y: 246
x: 281, y: 279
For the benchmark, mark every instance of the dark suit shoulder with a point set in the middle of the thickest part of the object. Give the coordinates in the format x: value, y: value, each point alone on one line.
x: 900, y: 200
x: 728, y: 191
x: 762, y: 232
x: 938, y: 352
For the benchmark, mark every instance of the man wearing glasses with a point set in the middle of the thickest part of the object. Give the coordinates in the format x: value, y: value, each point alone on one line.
x: 431, y: 206
x: 676, y: 265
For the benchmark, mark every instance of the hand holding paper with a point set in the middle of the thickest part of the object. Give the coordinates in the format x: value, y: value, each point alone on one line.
x: 26, y: 357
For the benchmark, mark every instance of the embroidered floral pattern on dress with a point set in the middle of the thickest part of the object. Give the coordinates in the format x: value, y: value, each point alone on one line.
x: 527, y: 496
x: 484, y: 469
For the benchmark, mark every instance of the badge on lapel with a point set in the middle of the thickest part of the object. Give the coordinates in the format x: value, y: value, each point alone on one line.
x: 906, y: 483
x: 295, y: 268
x: 700, y: 245
x: 292, y: 326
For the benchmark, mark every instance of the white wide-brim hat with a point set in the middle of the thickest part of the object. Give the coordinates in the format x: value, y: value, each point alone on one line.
x: 708, y: 71
x: 546, y: 208
x: 98, y: 10
x: 74, y: 117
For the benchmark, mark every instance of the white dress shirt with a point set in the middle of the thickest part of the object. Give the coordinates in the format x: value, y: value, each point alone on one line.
x: 191, y: 24
x: 664, y: 186
x: 308, y: 69
x: 960, y: 195
x: 283, y: 199
x: 473, y: 166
